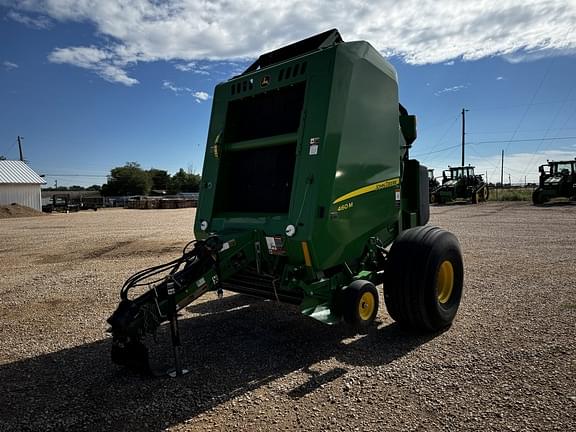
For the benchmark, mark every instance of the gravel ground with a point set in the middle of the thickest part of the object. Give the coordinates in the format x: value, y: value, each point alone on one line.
x: 507, y: 363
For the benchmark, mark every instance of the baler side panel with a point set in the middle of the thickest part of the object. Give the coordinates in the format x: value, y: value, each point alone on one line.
x: 309, y: 210
x: 364, y: 123
x: 210, y: 170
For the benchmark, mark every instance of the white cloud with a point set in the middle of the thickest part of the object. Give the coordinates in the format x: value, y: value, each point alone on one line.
x: 199, y: 96
x: 38, y: 23
x: 9, y: 65
x: 499, y: 78
x: 193, y: 67
x: 450, y: 63
x: 85, y: 57
x: 538, y: 54
x: 105, y: 63
x: 418, y: 32
x: 452, y: 89
x: 167, y: 85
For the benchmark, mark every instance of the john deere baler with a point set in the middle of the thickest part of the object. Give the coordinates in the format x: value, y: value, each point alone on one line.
x: 306, y: 184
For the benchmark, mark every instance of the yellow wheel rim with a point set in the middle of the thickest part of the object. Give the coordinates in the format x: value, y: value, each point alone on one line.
x: 445, y: 282
x: 366, y: 306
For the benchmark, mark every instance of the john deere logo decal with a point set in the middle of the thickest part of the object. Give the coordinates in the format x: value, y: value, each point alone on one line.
x: 265, y: 81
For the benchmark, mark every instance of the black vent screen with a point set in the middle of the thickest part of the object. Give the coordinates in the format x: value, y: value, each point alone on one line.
x: 275, y: 112
x: 257, y: 180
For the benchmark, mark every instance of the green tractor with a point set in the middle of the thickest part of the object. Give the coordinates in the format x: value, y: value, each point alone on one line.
x: 433, y: 184
x: 460, y: 183
x: 557, y: 179
x: 308, y: 197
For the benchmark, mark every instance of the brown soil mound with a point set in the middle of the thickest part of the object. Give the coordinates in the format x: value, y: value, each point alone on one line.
x: 17, y: 210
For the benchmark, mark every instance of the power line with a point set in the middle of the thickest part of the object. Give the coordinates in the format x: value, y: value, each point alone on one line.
x: 437, y: 151
x: 525, y: 130
x: 547, y: 131
x: 437, y: 124
x: 525, y: 113
x: 524, y: 140
x: 502, y: 107
x: 497, y: 142
x: 11, y: 147
x: 532, y: 100
x: 443, y: 136
x: 75, y: 175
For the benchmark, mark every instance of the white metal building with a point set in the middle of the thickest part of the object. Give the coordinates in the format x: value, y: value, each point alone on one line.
x: 20, y: 184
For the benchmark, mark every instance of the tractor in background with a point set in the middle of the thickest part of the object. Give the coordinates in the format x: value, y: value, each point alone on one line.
x: 557, y: 179
x: 66, y: 203
x: 433, y: 184
x: 61, y: 203
x: 461, y: 184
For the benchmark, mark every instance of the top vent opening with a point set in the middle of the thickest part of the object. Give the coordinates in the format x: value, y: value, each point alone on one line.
x: 323, y: 40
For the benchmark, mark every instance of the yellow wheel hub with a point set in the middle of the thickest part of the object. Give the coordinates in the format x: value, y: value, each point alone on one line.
x: 366, y: 306
x: 445, y: 282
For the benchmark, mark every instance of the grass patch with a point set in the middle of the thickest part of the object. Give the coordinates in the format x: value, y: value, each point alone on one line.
x: 511, y: 194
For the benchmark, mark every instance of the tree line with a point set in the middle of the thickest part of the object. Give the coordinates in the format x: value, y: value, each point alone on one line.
x: 131, y: 179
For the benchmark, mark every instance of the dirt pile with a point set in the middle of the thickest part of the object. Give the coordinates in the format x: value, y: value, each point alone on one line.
x: 16, y: 210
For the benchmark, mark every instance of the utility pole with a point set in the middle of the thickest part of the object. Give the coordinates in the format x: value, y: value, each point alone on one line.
x: 463, y: 132
x: 20, y: 147
x: 502, y: 171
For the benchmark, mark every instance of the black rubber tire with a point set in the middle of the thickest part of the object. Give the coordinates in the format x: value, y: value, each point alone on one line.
x: 483, y: 194
x: 537, y: 198
x: 411, y: 277
x: 350, y: 303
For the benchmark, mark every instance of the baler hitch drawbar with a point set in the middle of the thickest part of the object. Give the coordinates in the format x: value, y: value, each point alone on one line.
x: 171, y: 288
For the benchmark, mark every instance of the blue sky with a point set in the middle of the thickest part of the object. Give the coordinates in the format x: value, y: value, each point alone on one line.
x: 93, y: 84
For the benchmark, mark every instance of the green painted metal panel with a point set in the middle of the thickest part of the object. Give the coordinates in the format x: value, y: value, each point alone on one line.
x: 347, y: 154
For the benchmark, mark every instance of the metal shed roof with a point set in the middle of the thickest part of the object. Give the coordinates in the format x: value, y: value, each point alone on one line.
x: 17, y: 172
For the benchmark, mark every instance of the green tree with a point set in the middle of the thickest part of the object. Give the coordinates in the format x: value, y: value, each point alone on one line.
x: 160, y: 179
x: 184, y: 182
x: 129, y: 179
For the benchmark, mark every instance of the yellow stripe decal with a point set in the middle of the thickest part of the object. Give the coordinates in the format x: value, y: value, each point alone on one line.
x: 370, y: 188
x: 306, y: 253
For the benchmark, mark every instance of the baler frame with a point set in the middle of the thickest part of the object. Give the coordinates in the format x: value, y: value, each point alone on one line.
x: 307, y: 180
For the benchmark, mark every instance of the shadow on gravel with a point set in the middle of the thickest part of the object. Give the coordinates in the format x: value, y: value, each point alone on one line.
x: 558, y: 203
x: 234, y: 346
